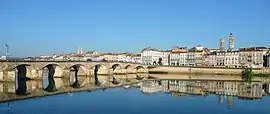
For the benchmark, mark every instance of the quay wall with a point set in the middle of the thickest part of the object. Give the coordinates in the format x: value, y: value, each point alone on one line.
x: 201, y: 70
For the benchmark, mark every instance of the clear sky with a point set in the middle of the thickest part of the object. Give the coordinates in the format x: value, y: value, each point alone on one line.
x: 38, y: 27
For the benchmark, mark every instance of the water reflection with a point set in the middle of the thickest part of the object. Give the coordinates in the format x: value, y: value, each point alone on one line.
x: 23, y: 88
x: 223, y: 89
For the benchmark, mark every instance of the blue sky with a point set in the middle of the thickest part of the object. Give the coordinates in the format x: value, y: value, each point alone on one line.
x: 38, y: 27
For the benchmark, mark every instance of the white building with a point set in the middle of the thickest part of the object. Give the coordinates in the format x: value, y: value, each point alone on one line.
x: 178, y: 57
x: 195, y: 56
x: 165, y: 57
x: 266, y: 59
x: 122, y: 57
x: 191, y: 59
x: 231, y: 59
x: 221, y: 58
x: 252, y: 57
x: 151, y: 56
x: 210, y: 60
x: 3, y: 58
x: 136, y: 58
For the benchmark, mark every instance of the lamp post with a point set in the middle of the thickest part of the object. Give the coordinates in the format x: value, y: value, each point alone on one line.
x: 7, y: 51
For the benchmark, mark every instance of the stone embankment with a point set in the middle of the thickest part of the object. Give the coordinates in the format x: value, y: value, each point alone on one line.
x: 204, y: 70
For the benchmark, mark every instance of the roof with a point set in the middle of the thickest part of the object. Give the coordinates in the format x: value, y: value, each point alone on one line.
x: 254, y: 49
x: 149, y: 49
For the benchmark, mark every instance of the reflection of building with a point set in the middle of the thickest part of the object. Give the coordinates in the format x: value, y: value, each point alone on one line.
x: 150, y: 86
x: 165, y: 87
x: 266, y: 88
x: 242, y: 90
x: 223, y: 87
x: 177, y: 85
x: 230, y: 102
x: 220, y: 99
x: 250, y: 91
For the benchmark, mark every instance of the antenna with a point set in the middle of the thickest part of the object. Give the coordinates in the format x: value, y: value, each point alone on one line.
x: 7, y: 51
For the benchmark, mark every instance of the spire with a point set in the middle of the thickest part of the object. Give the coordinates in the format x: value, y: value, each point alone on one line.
x: 81, y: 52
x: 78, y: 50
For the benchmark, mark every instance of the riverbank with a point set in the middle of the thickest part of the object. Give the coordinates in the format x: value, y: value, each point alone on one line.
x: 204, y: 70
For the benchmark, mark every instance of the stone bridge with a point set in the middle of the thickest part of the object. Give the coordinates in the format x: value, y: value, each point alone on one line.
x: 34, y: 69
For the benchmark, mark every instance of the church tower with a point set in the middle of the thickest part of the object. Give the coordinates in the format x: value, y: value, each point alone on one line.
x: 231, y: 42
x: 221, y: 44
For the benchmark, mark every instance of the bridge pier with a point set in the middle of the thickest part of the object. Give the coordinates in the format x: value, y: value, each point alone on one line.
x: 1, y: 76
x: 9, y: 76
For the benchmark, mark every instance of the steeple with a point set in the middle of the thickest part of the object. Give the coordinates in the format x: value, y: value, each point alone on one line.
x: 81, y: 51
x: 231, y: 42
x: 78, y: 50
x: 221, y: 44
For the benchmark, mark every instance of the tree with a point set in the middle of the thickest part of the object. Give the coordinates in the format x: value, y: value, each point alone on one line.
x: 160, y: 61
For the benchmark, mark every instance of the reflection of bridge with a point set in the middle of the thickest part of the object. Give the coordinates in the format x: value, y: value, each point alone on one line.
x: 34, y: 70
x: 34, y: 88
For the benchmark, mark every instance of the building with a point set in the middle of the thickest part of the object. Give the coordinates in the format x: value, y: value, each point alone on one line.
x: 209, y: 60
x: 220, y: 58
x: 222, y: 43
x: 151, y: 56
x: 166, y: 57
x: 213, y: 50
x: 190, y: 58
x: 231, y: 42
x: 195, y: 55
x: 110, y: 57
x: 178, y: 56
x: 136, y: 58
x: 252, y: 57
x: 231, y: 59
x: 122, y: 57
x: 266, y: 60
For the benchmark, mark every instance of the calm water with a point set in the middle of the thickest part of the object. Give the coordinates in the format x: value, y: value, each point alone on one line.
x: 153, y: 97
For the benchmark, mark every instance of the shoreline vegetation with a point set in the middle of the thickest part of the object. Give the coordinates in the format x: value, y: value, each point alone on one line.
x: 248, y: 75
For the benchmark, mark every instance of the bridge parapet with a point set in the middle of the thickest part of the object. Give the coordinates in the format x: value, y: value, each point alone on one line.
x: 35, y: 69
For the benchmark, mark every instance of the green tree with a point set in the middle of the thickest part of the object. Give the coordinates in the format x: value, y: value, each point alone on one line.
x: 248, y: 74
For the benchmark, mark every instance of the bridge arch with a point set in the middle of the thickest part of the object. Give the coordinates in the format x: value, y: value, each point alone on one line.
x: 115, y: 66
x: 140, y: 69
x: 21, y: 78
x: 129, y: 69
x: 51, y: 73
x: 55, y: 68
x: 78, y: 75
x: 100, y: 74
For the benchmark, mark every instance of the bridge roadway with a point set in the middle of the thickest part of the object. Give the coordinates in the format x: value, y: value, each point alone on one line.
x: 35, y: 69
